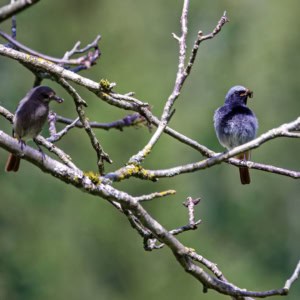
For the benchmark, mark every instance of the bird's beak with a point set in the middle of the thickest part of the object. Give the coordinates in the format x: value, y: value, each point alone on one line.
x: 57, y: 99
x: 248, y: 93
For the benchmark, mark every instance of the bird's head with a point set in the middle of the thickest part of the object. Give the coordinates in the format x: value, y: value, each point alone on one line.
x: 45, y: 94
x: 238, y: 95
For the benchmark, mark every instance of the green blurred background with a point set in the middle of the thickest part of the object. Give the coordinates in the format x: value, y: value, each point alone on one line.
x: 59, y: 243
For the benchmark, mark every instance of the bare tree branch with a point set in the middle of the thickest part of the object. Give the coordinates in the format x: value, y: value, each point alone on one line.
x: 86, y: 60
x: 15, y: 7
x: 190, y: 204
x: 293, y: 278
x: 56, y: 136
x: 202, y: 38
x: 128, y: 121
x: 155, y: 195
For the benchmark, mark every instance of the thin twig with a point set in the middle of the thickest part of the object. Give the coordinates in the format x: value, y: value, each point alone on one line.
x: 18, y: 45
x: 128, y: 121
x: 6, y: 114
x: 210, y: 265
x: 293, y: 278
x: 265, y: 168
x: 65, y: 158
x: 155, y: 195
x: 185, y: 228
x: 202, y: 38
x: 190, y: 204
x: 79, y: 104
x: 180, y: 77
x: 56, y: 136
x: 134, y: 222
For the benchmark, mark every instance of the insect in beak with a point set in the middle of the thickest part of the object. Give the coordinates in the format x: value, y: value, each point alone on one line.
x: 247, y: 93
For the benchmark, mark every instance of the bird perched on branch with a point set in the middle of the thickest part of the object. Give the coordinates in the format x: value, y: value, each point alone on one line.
x: 236, y: 124
x: 29, y: 119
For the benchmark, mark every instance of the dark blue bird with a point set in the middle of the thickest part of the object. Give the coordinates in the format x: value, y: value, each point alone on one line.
x: 236, y: 124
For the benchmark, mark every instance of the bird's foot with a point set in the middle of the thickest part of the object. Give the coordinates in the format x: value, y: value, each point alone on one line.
x: 40, y: 150
x: 22, y: 143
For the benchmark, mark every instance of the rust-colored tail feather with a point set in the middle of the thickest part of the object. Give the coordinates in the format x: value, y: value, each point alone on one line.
x: 244, y: 175
x: 244, y: 171
x: 13, y: 163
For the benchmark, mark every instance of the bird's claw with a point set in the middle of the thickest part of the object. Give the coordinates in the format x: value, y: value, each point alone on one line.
x: 40, y: 150
x: 22, y: 143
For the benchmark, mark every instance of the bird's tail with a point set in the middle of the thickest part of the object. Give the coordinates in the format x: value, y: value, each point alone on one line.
x: 13, y: 163
x: 244, y: 171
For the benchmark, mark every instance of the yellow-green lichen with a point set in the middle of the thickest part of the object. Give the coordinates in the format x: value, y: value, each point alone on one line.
x: 190, y: 250
x: 105, y: 85
x: 76, y: 179
x: 129, y: 170
x: 133, y: 169
x: 146, y: 174
x: 94, y: 177
x: 166, y: 193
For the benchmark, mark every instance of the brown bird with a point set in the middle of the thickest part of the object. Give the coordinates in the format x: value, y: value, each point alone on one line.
x: 29, y: 119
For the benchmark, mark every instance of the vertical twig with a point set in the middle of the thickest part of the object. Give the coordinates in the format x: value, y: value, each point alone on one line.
x: 167, y: 111
x: 190, y: 204
x: 80, y: 103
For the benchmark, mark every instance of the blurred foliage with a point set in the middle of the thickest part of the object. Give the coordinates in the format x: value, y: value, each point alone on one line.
x: 59, y: 243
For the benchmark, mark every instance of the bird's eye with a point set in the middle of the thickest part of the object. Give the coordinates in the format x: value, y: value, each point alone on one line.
x: 46, y: 96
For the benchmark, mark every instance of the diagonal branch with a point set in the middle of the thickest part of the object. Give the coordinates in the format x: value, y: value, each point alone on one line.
x: 293, y: 278
x: 15, y: 7
x: 59, y: 72
x: 218, y: 158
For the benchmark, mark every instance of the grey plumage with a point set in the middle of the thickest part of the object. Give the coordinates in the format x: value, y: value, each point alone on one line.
x: 30, y: 116
x: 235, y: 124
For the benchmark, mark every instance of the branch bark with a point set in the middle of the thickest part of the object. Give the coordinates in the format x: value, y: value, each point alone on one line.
x: 15, y: 7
